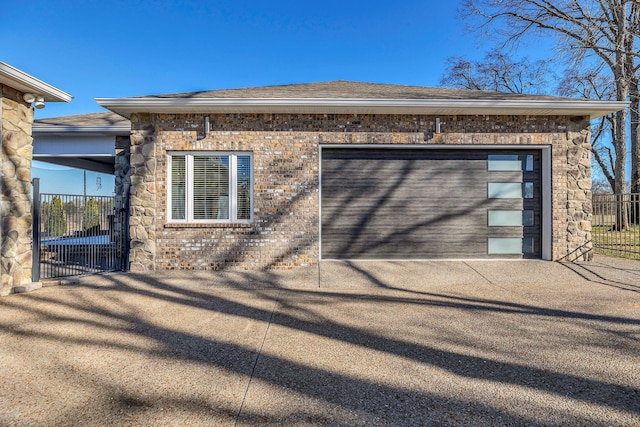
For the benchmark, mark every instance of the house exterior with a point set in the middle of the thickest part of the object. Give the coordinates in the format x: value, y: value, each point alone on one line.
x: 19, y: 93
x: 283, y: 176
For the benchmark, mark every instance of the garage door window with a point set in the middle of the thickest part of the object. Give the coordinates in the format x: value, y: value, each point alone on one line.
x: 210, y: 188
x: 505, y: 190
x: 510, y: 218
x: 510, y: 245
x: 510, y: 162
x: 528, y: 190
x: 510, y: 190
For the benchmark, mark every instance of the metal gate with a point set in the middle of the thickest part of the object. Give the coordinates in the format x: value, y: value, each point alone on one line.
x: 77, y: 234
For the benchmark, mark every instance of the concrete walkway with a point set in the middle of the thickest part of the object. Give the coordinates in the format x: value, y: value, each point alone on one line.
x: 394, y: 343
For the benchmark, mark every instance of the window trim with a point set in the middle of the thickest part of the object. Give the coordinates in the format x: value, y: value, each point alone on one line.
x: 189, y: 182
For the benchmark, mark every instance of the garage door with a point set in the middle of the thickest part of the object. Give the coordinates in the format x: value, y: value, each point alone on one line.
x: 427, y: 204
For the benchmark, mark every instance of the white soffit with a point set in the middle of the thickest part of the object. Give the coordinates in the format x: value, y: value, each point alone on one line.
x: 532, y: 107
x: 26, y: 83
x: 39, y: 129
x: 77, y: 145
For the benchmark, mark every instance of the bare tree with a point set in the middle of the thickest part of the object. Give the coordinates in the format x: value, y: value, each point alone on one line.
x: 602, y: 31
x: 600, y: 186
x: 497, y: 72
x: 633, y: 71
x: 594, y: 83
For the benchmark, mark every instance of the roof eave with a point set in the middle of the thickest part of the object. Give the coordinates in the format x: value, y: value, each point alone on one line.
x: 591, y: 108
x: 26, y: 83
x: 66, y: 129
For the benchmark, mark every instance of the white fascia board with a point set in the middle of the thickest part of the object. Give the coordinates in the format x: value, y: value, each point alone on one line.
x: 24, y: 82
x: 546, y: 107
x: 65, y: 130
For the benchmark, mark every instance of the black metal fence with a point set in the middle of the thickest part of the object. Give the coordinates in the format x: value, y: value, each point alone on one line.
x: 77, y: 234
x: 616, y: 225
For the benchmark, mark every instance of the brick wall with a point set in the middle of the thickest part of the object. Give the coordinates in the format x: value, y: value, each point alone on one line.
x: 285, y: 150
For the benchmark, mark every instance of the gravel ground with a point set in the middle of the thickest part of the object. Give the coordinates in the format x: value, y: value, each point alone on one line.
x: 394, y: 343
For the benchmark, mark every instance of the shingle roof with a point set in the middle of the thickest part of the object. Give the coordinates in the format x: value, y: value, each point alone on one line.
x: 345, y: 97
x: 94, y: 119
x: 352, y: 90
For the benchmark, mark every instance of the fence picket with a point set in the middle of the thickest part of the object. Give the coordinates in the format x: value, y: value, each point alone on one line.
x: 616, y: 225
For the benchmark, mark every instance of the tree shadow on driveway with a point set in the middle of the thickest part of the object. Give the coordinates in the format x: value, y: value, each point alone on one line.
x: 269, y: 355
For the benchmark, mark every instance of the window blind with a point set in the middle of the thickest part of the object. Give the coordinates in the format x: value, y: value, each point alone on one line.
x: 178, y: 187
x: 243, y: 187
x: 210, y: 187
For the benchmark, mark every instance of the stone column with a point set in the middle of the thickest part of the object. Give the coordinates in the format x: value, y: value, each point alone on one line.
x: 142, y: 220
x: 579, y: 195
x: 16, y: 119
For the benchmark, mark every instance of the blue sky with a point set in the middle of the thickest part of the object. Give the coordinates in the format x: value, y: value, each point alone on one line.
x: 128, y: 48
x: 102, y: 48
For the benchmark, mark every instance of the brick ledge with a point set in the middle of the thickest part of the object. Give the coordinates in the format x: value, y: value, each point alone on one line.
x: 207, y: 225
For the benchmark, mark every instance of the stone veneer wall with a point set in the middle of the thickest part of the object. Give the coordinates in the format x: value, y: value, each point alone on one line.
x: 16, y: 119
x: 572, y: 196
x: 285, y: 148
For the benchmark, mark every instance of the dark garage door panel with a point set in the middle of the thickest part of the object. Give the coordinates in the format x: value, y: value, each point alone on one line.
x: 413, y: 204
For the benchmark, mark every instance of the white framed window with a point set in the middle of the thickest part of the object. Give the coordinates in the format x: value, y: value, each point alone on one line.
x: 210, y: 187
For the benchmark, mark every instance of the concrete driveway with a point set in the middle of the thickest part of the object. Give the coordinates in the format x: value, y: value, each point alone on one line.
x: 394, y: 343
